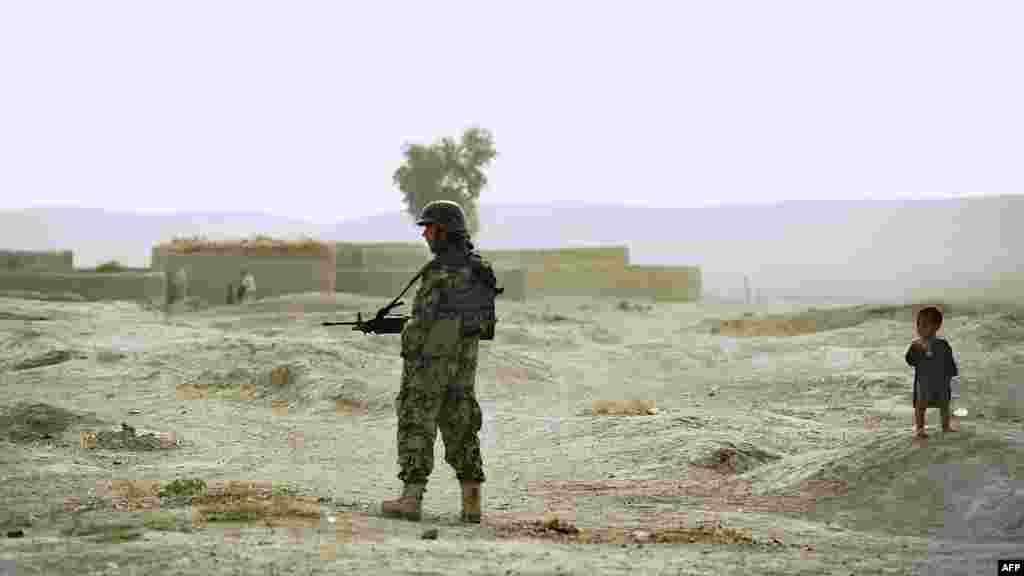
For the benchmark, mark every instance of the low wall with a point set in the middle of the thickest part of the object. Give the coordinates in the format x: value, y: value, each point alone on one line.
x: 91, y: 286
x: 381, y: 255
x: 209, y: 274
x: 389, y: 282
x: 30, y: 260
x: 156, y: 258
x: 676, y: 283
x: 669, y: 283
x: 561, y: 259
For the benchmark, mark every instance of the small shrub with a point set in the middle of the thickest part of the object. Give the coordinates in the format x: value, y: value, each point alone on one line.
x: 284, y: 489
x: 183, y: 488
x: 232, y: 516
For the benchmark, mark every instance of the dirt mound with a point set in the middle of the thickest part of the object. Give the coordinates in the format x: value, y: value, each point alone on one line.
x: 556, y: 529
x: 815, y: 320
x: 44, y: 296
x: 900, y: 486
x: 1004, y: 330
x: 627, y: 306
x: 237, y: 501
x: 31, y: 422
x: 708, y: 489
x: 767, y: 327
x: 734, y: 458
x: 4, y: 315
x: 240, y: 383
x: 48, y: 358
x: 127, y: 439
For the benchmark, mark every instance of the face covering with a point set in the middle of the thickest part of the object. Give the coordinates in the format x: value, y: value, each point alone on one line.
x: 453, y: 243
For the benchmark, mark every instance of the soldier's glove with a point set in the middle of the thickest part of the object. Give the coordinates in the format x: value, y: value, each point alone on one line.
x: 368, y: 326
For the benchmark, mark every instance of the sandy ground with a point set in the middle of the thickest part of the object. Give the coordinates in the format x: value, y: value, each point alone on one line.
x: 754, y: 453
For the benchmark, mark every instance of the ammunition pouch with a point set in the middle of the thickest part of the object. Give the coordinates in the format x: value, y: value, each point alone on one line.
x: 444, y: 337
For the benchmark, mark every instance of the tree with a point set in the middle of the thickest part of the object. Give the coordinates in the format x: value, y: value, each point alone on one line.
x: 447, y: 170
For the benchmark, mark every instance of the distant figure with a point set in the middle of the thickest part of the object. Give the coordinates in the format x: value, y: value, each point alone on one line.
x: 175, y: 287
x: 181, y: 279
x: 934, y: 368
x: 170, y: 294
x: 246, y: 287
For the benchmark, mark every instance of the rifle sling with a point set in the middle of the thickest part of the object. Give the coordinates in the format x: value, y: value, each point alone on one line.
x: 407, y: 286
x: 417, y: 277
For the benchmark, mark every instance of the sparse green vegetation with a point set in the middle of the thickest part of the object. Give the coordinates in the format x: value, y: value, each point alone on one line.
x: 183, y: 488
x: 284, y: 489
x: 232, y: 516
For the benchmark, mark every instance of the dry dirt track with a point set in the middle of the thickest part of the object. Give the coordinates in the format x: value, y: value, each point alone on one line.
x: 765, y: 455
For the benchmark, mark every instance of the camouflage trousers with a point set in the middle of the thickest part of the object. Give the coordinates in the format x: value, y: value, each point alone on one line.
x: 438, y: 393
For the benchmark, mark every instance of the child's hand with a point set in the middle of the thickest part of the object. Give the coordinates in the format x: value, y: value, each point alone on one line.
x: 919, y: 344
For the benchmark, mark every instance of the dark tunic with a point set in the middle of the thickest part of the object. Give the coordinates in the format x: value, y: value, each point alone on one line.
x: 933, y: 374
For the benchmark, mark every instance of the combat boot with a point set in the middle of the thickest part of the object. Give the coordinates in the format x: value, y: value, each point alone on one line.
x: 409, y: 506
x: 471, y: 502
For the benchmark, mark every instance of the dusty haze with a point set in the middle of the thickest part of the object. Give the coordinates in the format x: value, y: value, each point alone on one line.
x: 853, y: 250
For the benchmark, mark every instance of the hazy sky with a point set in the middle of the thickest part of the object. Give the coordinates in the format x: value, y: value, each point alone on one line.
x: 301, y: 108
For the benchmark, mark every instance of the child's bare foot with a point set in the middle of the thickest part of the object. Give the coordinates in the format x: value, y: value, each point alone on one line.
x: 920, y: 433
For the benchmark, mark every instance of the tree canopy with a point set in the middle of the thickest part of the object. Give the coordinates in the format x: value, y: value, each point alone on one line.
x: 447, y: 170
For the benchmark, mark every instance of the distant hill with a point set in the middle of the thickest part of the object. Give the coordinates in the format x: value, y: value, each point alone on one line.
x: 807, y: 249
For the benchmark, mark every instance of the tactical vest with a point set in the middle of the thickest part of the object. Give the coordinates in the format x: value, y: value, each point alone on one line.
x: 473, y: 303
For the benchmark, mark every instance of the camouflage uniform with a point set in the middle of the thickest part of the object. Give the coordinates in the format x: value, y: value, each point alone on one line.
x: 438, y: 383
x: 453, y: 310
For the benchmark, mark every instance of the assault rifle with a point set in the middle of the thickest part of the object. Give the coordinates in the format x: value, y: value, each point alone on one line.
x: 379, y: 324
x: 382, y: 323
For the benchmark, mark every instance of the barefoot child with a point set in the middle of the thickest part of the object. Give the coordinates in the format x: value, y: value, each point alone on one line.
x: 934, y: 367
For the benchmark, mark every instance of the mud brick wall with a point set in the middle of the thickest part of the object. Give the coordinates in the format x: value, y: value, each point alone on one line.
x: 389, y: 282
x: 91, y: 286
x: 561, y: 259
x: 383, y: 255
x: 30, y: 260
x: 669, y: 283
x: 209, y: 274
x: 383, y: 270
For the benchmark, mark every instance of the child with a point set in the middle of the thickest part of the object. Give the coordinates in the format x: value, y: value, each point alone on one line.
x: 934, y: 367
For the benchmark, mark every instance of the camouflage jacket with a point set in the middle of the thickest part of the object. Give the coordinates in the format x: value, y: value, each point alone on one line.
x: 437, y: 324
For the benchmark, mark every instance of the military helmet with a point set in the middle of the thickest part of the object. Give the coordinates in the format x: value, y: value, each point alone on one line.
x: 444, y: 212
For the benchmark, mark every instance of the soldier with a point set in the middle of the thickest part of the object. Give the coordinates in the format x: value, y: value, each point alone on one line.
x: 440, y: 342
x: 246, y: 287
